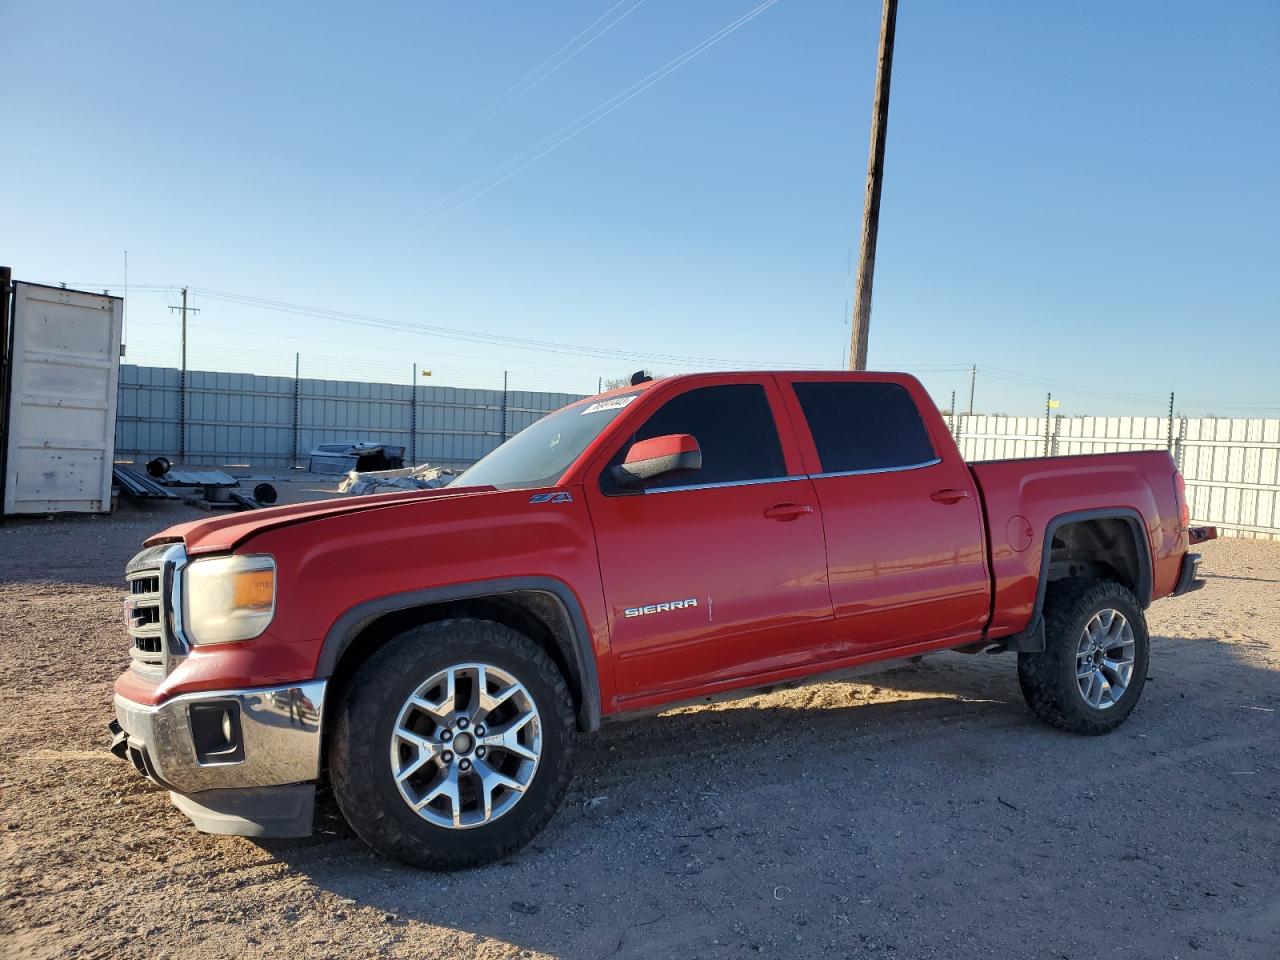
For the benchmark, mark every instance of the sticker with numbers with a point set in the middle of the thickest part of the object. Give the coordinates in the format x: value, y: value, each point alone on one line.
x: 615, y: 404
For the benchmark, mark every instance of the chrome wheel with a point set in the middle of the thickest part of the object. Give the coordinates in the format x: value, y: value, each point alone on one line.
x: 1104, y: 659
x: 466, y: 745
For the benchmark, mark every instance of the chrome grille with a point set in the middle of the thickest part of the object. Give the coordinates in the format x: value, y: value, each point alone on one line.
x: 148, y: 609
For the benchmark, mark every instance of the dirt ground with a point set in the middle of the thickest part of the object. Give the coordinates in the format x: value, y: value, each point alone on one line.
x: 923, y: 813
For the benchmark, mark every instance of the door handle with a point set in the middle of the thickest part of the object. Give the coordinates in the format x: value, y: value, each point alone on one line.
x: 787, y: 511
x: 949, y: 495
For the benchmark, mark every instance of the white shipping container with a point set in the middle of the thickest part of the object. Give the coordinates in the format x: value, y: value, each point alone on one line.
x: 63, y: 367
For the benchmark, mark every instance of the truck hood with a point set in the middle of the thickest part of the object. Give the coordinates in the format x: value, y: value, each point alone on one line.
x: 220, y: 534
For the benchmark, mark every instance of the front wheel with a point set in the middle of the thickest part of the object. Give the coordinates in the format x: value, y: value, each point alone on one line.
x: 1094, y: 665
x: 453, y: 745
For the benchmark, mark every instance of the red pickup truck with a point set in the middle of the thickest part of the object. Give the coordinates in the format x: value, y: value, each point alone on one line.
x: 433, y: 655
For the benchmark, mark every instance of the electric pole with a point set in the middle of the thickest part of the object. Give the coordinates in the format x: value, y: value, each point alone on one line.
x: 182, y: 396
x: 973, y: 379
x: 871, y: 204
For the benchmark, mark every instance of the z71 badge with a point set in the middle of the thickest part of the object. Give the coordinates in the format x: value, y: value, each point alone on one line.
x: 556, y: 496
x: 660, y: 607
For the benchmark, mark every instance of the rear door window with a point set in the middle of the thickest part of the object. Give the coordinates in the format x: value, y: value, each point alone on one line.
x: 864, y: 425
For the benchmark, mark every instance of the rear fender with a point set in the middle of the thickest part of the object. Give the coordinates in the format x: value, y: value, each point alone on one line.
x: 1032, y: 639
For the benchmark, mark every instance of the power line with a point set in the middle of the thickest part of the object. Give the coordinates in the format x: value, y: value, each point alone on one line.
x: 587, y: 120
x: 523, y: 343
x: 1016, y: 377
x: 521, y: 88
x: 399, y: 350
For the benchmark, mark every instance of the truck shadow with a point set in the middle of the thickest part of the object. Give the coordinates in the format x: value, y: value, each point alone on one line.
x: 793, y: 785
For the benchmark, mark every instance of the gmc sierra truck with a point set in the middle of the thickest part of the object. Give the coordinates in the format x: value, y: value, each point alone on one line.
x: 432, y: 656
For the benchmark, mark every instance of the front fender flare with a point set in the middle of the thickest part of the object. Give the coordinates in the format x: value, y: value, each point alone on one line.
x: 349, y: 625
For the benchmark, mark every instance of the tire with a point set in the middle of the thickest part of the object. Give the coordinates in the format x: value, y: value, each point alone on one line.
x: 1052, y: 681
x: 368, y: 745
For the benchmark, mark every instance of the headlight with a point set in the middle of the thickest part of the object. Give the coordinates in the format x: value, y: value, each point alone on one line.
x: 228, y: 598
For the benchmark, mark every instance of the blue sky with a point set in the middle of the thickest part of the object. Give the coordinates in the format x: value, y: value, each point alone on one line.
x: 1079, y: 193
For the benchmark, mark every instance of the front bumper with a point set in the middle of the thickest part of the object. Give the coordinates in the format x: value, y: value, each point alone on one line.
x: 236, y: 761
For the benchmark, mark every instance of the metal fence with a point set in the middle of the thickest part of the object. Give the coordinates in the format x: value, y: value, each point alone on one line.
x: 1232, y: 466
x: 239, y: 418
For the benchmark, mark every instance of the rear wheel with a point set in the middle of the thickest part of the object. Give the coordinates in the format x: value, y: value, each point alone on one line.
x: 453, y: 744
x: 1094, y: 665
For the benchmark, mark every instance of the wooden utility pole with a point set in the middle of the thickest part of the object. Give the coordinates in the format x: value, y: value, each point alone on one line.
x: 973, y: 380
x: 182, y: 398
x: 875, y: 178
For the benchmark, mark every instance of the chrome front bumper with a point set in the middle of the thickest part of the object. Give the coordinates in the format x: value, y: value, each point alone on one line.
x: 259, y: 782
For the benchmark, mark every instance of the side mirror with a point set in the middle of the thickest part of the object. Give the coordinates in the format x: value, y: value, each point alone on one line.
x: 658, y: 457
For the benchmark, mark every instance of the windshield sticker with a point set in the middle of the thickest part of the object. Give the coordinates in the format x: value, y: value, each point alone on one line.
x: 615, y: 404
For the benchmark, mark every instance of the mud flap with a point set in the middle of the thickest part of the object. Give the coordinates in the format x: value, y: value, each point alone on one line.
x: 1030, y: 640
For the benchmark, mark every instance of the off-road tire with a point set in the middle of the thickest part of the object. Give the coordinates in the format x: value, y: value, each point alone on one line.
x: 358, y: 749
x: 1048, y: 679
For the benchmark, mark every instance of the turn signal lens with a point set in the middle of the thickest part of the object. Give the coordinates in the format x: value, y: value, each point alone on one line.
x: 228, y: 598
x: 254, y: 590
x: 1180, y: 494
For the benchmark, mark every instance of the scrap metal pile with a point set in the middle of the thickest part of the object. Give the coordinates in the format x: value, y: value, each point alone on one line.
x: 422, y: 477
x: 216, y: 490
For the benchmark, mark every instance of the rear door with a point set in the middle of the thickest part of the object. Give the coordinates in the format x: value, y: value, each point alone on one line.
x: 717, y: 575
x: 906, y: 555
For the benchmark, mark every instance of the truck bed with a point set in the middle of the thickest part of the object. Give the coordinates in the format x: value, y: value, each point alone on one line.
x: 1024, y: 499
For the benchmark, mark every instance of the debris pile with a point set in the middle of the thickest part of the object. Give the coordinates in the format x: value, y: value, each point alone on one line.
x: 421, y: 477
x: 366, y: 457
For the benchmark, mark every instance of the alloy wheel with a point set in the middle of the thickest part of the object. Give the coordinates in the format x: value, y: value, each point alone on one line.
x: 1104, y: 659
x: 466, y: 745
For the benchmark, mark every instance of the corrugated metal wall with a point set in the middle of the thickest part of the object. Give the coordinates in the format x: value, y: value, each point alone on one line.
x: 239, y: 418
x: 1232, y: 467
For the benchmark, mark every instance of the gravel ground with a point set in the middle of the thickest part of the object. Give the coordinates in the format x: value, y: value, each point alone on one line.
x: 924, y: 813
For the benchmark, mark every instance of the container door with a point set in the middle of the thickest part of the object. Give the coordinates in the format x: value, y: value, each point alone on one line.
x: 64, y: 364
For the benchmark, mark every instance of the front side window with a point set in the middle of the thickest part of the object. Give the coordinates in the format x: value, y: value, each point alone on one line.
x: 864, y: 426
x: 734, y: 427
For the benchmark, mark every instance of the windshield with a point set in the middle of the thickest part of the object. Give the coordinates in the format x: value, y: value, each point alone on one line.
x: 538, y: 455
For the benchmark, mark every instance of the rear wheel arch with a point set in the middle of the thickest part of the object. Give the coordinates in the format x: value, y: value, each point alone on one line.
x: 542, y: 608
x: 1109, y: 543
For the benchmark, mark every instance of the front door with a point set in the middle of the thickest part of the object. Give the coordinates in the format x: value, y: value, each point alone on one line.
x: 718, y: 575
